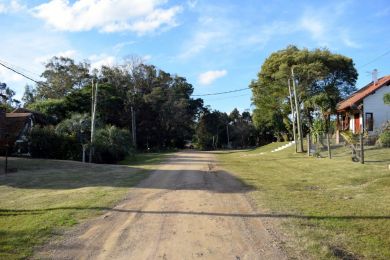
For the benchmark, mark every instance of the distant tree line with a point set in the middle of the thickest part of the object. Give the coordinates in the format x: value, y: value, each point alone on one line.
x: 165, y: 114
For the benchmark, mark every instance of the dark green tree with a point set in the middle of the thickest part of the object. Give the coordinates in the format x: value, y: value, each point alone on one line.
x: 320, y: 75
x: 62, y: 76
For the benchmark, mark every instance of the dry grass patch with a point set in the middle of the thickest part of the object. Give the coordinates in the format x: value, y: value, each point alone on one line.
x: 46, y: 196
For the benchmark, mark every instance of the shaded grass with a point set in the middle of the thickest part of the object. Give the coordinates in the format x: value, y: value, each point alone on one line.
x: 341, y: 209
x: 46, y: 196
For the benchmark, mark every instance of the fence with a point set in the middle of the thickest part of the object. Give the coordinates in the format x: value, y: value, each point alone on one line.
x: 361, y: 148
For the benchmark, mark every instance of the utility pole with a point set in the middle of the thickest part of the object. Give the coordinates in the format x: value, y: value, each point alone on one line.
x: 133, y: 123
x: 227, y: 133
x: 3, y: 128
x: 299, y: 125
x: 293, y: 116
x: 93, y: 117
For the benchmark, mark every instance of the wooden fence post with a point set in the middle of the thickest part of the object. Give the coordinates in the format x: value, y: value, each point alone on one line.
x: 328, y: 143
x: 361, y: 148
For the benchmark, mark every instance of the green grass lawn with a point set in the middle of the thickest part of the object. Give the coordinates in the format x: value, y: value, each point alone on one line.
x: 329, y: 208
x: 45, y: 197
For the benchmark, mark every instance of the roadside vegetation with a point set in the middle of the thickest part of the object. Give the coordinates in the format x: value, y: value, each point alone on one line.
x: 328, y: 208
x: 45, y: 197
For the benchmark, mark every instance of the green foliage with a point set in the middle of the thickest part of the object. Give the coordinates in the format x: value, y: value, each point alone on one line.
x: 385, y: 139
x: 213, y: 126
x: 46, y: 143
x: 211, y: 130
x: 78, y: 126
x: 29, y: 95
x: 318, y: 128
x: 384, y: 136
x: 62, y: 76
x: 350, y: 137
x: 55, y: 108
x: 386, y: 98
x: 322, y: 79
x: 112, y: 144
x: 7, y: 99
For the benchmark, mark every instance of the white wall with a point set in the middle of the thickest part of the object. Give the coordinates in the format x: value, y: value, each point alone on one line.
x: 374, y: 104
x: 352, y: 123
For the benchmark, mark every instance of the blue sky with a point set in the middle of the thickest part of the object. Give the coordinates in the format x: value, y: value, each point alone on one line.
x: 217, y: 45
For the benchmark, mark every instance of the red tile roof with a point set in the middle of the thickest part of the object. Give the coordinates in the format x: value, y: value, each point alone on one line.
x: 362, y: 93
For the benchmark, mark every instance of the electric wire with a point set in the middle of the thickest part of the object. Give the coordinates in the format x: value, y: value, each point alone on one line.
x: 21, y: 74
x: 375, y: 59
x: 221, y: 93
x: 19, y: 68
x: 195, y: 95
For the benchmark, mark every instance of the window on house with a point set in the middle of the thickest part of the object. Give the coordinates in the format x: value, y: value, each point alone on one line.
x: 369, y: 122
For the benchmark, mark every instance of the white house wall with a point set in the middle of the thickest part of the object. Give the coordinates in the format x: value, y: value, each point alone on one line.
x: 352, y: 123
x: 374, y: 104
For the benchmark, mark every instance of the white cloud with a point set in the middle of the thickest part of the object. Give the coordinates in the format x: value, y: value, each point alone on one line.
x: 97, y: 61
x: 68, y: 54
x: 12, y: 6
x: 348, y: 42
x: 199, y: 42
x: 146, y: 58
x: 209, y: 77
x: 325, y: 26
x: 139, y: 16
x: 23, y: 50
x: 313, y: 25
x: 9, y: 76
x: 119, y: 46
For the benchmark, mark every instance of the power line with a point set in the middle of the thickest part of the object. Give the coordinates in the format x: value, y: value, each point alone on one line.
x: 19, y: 67
x: 220, y: 93
x: 375, y: 59
x: 229, y: 97
x: 20, y: 73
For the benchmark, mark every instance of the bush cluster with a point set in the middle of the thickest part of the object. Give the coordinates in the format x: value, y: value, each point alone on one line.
x: 384, y: 135
x: 46, y: 143
x: 385, y: 139
x: 112, y: 144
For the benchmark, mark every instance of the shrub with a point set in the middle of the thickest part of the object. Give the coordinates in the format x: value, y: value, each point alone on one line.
x: 46, y: 143
x: 385, y: 139
x: 384, y: 135
x: 112, y: 144
x: 51, y: 107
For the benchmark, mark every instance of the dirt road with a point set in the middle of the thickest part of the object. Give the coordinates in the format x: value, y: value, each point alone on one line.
x: 186, y: 209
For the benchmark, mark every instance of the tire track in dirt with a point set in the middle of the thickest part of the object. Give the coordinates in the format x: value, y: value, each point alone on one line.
x: 186, y: 209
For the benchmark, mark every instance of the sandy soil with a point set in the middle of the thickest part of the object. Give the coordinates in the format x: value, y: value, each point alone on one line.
x: 186, y: 209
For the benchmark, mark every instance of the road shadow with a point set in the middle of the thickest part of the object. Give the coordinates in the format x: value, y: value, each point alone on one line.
x: 13, y: 212
x: 49, y: 174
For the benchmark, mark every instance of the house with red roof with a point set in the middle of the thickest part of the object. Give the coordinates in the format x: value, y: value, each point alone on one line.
x: 365, y: 110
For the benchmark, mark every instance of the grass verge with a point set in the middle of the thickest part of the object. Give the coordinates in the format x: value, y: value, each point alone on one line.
x: 331, y: 208
x: 46, y: 196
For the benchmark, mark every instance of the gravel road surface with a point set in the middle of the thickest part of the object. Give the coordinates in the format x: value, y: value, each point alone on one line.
x: 186, y: 209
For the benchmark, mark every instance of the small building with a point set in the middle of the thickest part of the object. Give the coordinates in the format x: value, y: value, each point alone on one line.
x: 15, y: 128
x: 365, y: 110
